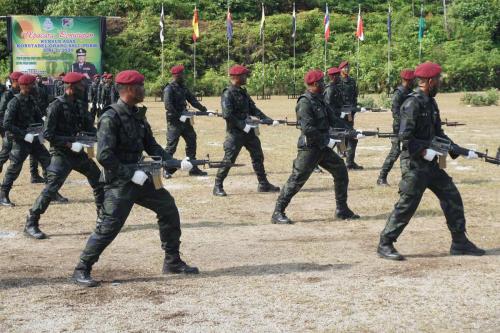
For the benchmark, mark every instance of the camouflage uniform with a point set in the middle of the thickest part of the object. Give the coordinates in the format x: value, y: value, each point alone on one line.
x: 175, y: 96
x: 399, y: 96
x: 349, y: 93
x: 315, y: 118
x: 333, y: 97
x: 6, y: 141
x: 93, y: 90
x: 420, y: 119
x: 123, y: 134
x: 105, y: 98
x: 66, y: 119
x: 237, y: 105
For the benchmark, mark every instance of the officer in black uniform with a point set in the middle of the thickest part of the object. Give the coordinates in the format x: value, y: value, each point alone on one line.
x: 82, y: 66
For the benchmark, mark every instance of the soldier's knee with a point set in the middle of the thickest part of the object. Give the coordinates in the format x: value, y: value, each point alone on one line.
x: 109, y: 227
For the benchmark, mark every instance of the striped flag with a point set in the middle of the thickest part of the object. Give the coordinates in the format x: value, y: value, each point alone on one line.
x: 294, y: 22
x: 359, y: 29
x: 162, y: 24
x: 421, y: 24
x: 262, y: 22
x: 229, y: 25
x: 196, y: 30
x: 326, y: 23
x: 389, y: 23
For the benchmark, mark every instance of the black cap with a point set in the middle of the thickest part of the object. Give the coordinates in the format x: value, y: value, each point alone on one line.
x: 81, y: 52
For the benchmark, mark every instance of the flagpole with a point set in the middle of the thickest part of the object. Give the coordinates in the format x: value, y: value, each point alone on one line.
x: 194, y: 67
x: 228, y: 41
x: 389, y: 32
x: 263, y: 55
x: 420, y: 38
x: 445, y: 20
x: 357, y: 55
x: 294, y: 36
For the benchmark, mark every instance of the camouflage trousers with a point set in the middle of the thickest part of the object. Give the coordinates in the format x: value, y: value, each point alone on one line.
x: 232, y: 147
x: 5, y: 152
x: 18, y: 154
x: 119, y: 198
x: 351, y: 146
x: 391, y: 158
x: 419, y: 175
x: 175, y: 132
x: 303, y: 166
x: 61, y: 165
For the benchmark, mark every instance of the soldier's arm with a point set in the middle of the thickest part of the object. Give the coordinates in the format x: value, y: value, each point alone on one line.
x: 8, y: 122
x: 194, y: 102
x: 151, y: 146
x: 3, y: 104
x: 106, y: 144
x: 409, y: 114
x: 168, y: 100
x: 228, y: 109
x: 49, y: 131
x: 307, y: 126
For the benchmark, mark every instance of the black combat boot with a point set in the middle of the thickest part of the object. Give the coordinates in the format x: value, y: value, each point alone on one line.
x: 386, y: 250
x: 31, y: 228
x: 354, y: 166
x: 344, y: 213
x: 37, y: 179
x: 173, y: 264
x: 219, y: 189
x: 60, y: 199
x: 266, y: 186
x: 382, y: 181
x: 460, y: 245
x: 195, y: 171
x: 4, y: 199
x: 279, y: 217
x: 81, y: 275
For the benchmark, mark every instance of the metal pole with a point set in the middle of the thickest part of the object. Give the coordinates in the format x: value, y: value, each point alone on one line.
x: 263, y: 65
x: 357, y: 63
x: 326, y: 47
x: 228, y: 58
x: 445, y: 20
x: 162, y: 63
x: 294, y: 82
x: 194, y: 66
x: 389, y: 56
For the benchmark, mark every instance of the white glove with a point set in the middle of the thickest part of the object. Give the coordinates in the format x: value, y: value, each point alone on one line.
x: 43, y: 118
x: 186, y: 165
x: 211, y: 114
x: 343, y: 114
x: 430, y: 154
x: 360, y: 136
x: 276, y: 123
x: 76, y: 147
x: 363, y: 109
x: 29, y: 138
x: 139, y: 177
x: 472, y: 155
x: 183, y: 119
x: 248, y: 128
x: 332, y: 143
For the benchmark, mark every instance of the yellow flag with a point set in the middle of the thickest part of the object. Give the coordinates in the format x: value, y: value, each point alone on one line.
x: 196, y: 30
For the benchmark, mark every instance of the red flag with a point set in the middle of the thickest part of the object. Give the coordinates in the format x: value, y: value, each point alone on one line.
x: 326, y: 23
x: 359, y: 29
x: 196, y: 30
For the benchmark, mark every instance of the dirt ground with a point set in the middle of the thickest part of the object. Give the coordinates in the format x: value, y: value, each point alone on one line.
x: 320, y: 274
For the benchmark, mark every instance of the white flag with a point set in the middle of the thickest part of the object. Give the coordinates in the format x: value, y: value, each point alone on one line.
x: 162, y: 24
x: 262, y: 21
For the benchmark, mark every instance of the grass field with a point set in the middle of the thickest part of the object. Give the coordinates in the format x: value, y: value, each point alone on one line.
x: 319, y: 274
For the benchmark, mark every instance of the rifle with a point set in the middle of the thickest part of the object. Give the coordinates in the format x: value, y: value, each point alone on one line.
x: 445, y: 146
x: 87, y: 139
x: 36, y: 130
x: 190, y: 114
x: 367, y: 109
x: 253, y: 121
x: 451, y: 123
x: 152, y: 165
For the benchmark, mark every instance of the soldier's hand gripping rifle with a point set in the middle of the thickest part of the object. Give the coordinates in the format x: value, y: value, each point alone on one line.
x: 444, y: 147
x: 451, y: 123
x: 87, y: 139
x: 36, y: 131
x: 189, y: 115
x: 152, y: 165
x: 364, y: 109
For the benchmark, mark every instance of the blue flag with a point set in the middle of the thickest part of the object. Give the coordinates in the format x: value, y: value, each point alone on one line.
x: 389, y: 32
x: 294, y: 22
x: 229, y: 26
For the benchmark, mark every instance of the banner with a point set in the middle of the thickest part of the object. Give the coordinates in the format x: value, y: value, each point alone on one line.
x: 49, y: 45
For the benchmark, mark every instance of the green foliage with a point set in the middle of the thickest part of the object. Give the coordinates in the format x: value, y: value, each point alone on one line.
x: 384, y: 101
x: 367, y: 102
x: 482, y: 99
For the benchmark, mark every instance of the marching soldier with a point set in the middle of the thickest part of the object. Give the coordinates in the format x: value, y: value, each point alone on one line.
x: 237, y: 106
x: 421, y: 122
x: 22, y: 111
x: 6, y: 141
x: 175, y: 96
x: 59, y: 85
x: 315, y: 147
x: 93, y: 95
x: 400, y: 95
x: 66, y: 117
x: 123, y: 135
x: 349, y: 93
x: 333, y: 96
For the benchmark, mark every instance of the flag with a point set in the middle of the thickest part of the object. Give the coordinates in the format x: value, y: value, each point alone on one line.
x: 326, y: 23
x: 421, y: 24
x: 294, y: 22
x: 229, y: 25
x: 162, y: 24
x: 262, y: 21
x: 389, y: 23
x: 359, y: 29
x: 196, y: 30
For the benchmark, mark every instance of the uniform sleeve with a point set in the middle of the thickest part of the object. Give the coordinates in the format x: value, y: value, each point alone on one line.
x: 168, y: 100
x: 10, y: 115
x: 106, y: 145
x: 3, y: 105
x: 305, y: 114
x: 396, y: 108
x: 228, y: 111
x: 151, y: 146
x: 193, y: 101
x: 409, y: 113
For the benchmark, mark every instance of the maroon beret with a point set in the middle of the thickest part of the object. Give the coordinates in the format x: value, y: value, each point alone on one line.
x: 15, y: 75
x: 238, y: 70
x: 333, y: 70
x: 343, y: 64
x: 427, y: 70
x: 109, y: 76
x: 26, y: 79
x: 129, y: 77
x: 72, y: 77
x: 96, y: 76
x: 407, y: 74
x: 177, y: 69
x: 313, y: 76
